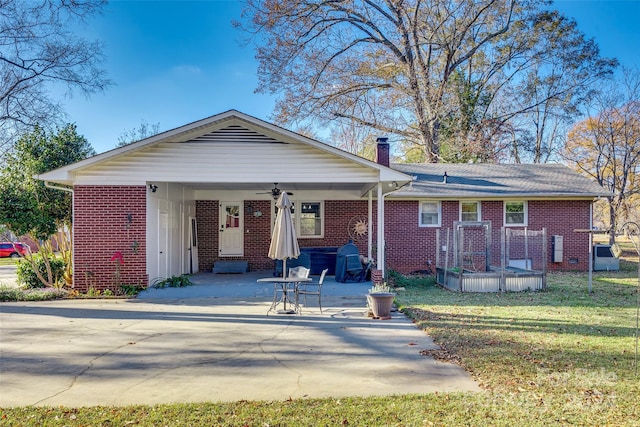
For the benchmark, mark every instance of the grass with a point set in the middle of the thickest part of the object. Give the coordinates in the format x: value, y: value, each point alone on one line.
x: 16, y: 294
x: 8, y: 261
x: 558, y: 357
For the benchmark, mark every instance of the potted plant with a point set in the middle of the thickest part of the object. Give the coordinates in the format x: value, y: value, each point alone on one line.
x: 380, y: 300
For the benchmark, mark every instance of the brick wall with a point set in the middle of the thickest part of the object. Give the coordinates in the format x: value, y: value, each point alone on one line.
x: 207, y: 215
x: 257, y: 237
x: 107, y: 220
x: 337, y: 214
x: 408, y: 246
x: 561, y: 218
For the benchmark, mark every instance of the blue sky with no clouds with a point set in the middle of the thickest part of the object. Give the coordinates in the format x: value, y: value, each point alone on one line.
x: 175, y: 62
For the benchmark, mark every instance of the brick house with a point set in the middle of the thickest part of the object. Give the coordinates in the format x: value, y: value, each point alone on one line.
x: 184, y: 199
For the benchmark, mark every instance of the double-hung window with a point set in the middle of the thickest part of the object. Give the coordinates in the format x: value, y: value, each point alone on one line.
x: 515, y: 213
x: 470, y: 211
x: 308, y: 219
x: 430, y: 213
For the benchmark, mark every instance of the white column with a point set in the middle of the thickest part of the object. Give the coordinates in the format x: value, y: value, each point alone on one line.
x: 370, y: 227
x: 380, y: 242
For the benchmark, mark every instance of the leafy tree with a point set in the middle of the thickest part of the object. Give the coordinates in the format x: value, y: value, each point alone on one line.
x: 145, y: 130
x: 606, y: 147
x: 27, y: 206
x: 39, y: 50
x: 427, y: 73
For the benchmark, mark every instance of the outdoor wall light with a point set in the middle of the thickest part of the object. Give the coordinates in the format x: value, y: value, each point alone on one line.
x: 153, y: 188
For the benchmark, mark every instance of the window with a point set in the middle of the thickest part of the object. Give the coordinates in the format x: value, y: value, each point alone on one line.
x: 429, y: 214
x: 515, y: 213
x: 469, y: 211
x: 307, y: 218
x: 310, y: 221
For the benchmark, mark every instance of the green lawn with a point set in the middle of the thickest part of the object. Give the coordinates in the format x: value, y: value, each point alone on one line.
x: 8, y: 261
x: 558, y: 357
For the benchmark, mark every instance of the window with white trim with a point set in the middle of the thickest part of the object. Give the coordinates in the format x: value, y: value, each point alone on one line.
x: 310, y: 221
x: 308, y: 218
x: 515, y: 213
x: 470, y: 211
x: 430, y: 213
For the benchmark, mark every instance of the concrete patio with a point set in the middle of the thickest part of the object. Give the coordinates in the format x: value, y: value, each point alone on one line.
x: 211, y: 342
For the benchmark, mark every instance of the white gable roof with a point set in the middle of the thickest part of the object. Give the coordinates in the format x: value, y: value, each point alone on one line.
x: 227, y: 148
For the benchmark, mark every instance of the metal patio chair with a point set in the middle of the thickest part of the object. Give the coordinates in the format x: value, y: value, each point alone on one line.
x: 310, y: 288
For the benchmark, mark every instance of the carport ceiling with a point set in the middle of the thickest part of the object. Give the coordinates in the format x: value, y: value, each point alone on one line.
x: 263, y: 186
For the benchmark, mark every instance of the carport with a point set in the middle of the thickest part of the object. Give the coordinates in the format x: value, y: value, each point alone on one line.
x: 179, y: 201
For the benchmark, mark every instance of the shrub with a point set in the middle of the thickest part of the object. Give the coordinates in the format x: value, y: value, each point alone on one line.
x: 173, y: 282
x: 131, y: 289
x: 28, y: 279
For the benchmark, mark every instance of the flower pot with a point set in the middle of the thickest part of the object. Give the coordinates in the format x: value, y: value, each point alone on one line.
x: 380, y: 304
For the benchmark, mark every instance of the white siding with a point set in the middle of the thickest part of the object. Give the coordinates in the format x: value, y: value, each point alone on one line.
x: 216, y: 158
x: 177, y: 202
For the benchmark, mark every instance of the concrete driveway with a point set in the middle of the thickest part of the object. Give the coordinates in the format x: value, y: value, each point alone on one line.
x: 186, y: 347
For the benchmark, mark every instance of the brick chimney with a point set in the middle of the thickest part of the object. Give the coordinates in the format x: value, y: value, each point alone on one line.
x: 382, y: 151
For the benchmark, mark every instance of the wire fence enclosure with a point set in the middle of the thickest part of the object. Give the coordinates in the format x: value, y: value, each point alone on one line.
x: 469, y: 258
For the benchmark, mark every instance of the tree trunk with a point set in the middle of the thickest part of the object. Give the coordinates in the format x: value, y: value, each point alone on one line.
x: 612, y: 222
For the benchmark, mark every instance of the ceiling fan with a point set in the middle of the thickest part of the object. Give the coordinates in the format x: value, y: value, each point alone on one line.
x: 275, y: 191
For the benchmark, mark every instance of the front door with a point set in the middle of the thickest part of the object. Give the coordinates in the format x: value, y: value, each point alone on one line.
x: 230, y: 233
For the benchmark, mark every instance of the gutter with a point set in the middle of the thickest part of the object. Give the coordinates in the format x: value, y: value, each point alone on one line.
x: 55, y: 187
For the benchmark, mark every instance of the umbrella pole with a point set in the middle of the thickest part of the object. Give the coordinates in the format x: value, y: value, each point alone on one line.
x: 284, y: 288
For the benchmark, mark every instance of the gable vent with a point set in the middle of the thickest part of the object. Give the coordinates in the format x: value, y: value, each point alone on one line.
x: 234, y: 134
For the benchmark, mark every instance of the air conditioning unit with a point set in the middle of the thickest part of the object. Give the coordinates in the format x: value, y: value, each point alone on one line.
x: 604, y: 259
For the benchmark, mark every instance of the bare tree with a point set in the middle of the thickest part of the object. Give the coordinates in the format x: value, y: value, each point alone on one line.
x: 145, y: 130
x: 606, y: 147
x: 421, y: 71
x: 39, y: 50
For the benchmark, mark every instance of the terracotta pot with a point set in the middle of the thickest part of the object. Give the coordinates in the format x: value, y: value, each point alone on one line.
x: 381, y: 304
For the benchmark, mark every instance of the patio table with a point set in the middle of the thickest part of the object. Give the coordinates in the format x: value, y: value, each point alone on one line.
x: 282, y: 285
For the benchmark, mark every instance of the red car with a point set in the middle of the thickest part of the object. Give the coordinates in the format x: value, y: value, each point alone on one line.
x: 13, y: 250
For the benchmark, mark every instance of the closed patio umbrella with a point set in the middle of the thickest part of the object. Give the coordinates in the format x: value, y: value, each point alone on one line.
x: 284, y: 243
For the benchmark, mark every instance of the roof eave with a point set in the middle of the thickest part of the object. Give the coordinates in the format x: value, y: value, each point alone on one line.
x: 511, y: 196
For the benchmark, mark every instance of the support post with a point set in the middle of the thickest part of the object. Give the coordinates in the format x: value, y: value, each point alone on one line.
x: 370, y: 226
x: 380, y: 241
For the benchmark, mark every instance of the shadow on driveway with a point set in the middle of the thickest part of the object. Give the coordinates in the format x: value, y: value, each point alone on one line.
x: 120, y: 352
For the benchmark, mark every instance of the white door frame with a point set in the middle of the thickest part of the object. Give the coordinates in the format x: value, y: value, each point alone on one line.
x: 231, y: 229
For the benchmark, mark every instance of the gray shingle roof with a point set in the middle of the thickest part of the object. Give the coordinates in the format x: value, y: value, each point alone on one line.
x: 496, y: 181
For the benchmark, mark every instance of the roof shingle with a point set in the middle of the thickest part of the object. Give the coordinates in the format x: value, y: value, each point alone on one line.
x: 495, y: 181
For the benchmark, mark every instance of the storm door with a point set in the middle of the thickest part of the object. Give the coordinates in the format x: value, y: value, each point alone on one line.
x: 230, y: 233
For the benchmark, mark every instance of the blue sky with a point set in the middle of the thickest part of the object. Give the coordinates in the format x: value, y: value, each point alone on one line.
x: 175, y: 62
